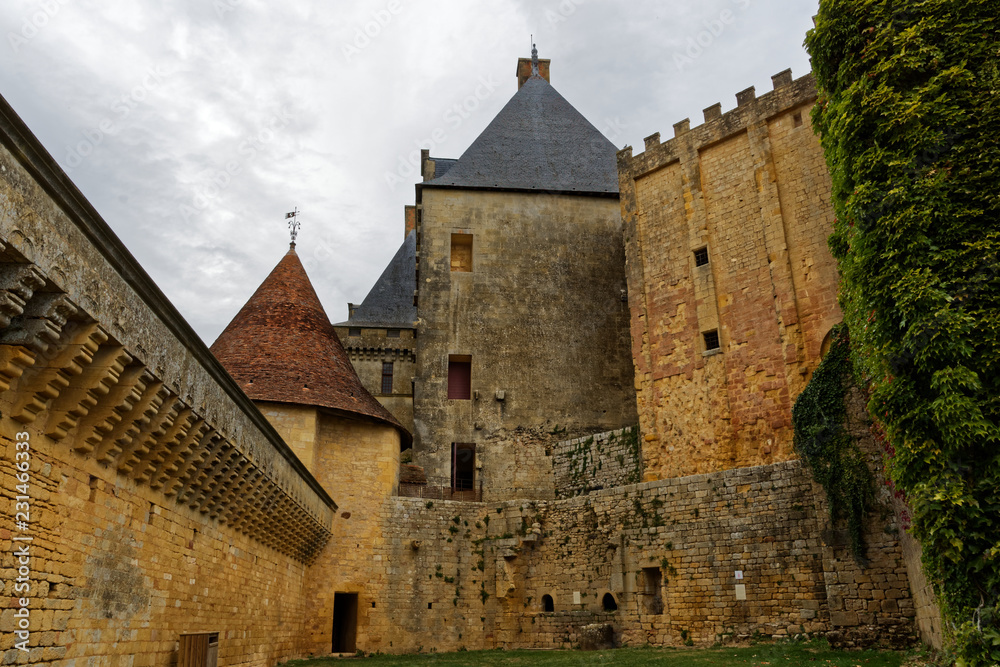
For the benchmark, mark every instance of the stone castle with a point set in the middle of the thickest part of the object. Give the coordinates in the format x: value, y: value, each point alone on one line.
x: 561, y: 417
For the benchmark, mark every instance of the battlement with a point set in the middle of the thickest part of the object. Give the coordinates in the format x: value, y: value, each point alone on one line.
x: 786, y: 94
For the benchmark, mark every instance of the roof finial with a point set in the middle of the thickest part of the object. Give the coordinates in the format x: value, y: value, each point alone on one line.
x: 534, y: 58
x: 293, y: 226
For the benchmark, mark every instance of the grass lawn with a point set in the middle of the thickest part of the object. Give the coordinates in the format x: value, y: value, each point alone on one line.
x: 816, y: 653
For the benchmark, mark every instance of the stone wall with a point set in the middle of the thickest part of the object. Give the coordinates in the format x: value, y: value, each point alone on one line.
x: 474, y: 575
x: 542, y: 317
x: 749, y: 190
x: 118, y: 571
x: 595, y: 462
x: 160, y: 500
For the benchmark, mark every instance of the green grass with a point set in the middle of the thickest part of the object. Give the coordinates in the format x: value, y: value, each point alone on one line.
x: 816, y: 652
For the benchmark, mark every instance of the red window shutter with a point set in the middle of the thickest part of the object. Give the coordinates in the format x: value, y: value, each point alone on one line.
x: 460, y: 379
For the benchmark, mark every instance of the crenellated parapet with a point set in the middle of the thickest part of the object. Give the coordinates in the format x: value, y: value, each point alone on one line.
x: 96, y: 360
x: 731, y: 285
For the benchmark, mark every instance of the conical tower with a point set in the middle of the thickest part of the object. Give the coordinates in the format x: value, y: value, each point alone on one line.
x: 281, y: 348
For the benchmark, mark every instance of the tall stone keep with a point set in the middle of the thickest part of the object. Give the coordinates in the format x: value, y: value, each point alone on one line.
x: 522, y: 325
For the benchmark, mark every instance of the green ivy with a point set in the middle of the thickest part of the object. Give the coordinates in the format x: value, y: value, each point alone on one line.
x: 908, y: 114
x: 823, y: 440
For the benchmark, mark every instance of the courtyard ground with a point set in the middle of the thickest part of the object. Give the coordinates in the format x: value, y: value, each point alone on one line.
x: 816, y: 653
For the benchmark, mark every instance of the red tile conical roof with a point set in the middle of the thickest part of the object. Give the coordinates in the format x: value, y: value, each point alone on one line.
x: 282, y: 347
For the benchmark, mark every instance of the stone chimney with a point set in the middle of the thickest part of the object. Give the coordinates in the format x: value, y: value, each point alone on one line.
x: 524, y: 70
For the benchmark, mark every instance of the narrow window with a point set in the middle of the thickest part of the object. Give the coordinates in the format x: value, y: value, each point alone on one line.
x: 701, y: 256
x: 386, y: 377
x: 463, y: 466
x: 547, y: 603
x: 652, y: 589
x: 608, y: 602
x: 711, y: 340
x: 392, y: 333
x: 797, y: 120
x: 460, y: 376
x: 461, y: 252
x: 353, y: 332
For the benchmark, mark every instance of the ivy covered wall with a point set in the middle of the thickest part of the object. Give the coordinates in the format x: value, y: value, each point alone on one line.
x: 908, y: 114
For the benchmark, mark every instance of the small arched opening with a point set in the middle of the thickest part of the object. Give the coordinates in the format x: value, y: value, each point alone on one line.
x: 827, y: 342
x: 547, y: 603
x: 608, y: 602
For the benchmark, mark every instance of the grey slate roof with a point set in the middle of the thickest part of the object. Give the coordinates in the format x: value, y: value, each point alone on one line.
x: 538, y: 141
x: 442, y: 165
x: 390, y: 301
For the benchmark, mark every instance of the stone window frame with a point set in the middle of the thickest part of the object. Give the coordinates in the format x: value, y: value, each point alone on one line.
x: 459, y: 364
x: 552, y: 603
x: 652, y: 590
x: 701, y: 257
x: 712, y: 341
x: 387, y: 377
x: 462, y: 243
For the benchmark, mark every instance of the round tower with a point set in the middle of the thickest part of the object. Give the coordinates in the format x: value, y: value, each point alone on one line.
x: 283, y: 351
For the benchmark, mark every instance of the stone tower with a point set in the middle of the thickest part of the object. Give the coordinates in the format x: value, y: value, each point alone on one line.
x: 522, y: 327
x: 283, y: 351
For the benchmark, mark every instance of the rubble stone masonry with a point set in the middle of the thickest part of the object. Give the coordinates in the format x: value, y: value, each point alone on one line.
x: 599, y: 461
x: 473, y: 575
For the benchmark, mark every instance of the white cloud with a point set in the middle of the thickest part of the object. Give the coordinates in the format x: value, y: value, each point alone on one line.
x: 261, y: 106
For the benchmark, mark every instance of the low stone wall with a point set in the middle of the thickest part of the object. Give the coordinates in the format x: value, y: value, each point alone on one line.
x: 695, y: 560
x: 599, y: 461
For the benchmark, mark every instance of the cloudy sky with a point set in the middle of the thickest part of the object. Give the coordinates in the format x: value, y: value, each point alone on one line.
x: 194, y: 125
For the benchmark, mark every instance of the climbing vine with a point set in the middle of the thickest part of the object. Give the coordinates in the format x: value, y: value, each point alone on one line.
x: 824, y: 441
x: 907, y: 113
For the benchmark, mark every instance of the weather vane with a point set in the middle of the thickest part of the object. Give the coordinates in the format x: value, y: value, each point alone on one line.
x: 534, y: 57
x: 293, y: 223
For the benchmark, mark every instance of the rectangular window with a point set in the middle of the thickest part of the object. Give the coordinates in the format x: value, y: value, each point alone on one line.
x: 460, y: 376
x: 463, y: 466
x: 353, y: 332
x: 711, y: 340
x: 386, y: 377
x: 701, y: 256
x: 652, y: 590
x: 392, y: 333
x: 461, y: 252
